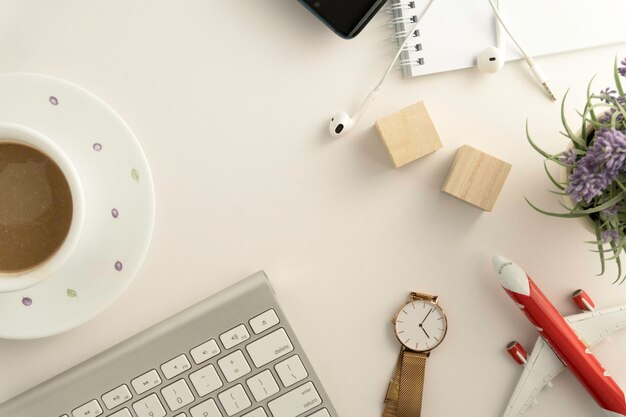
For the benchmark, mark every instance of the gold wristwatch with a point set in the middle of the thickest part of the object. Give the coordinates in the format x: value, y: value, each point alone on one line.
x: 420, y: 326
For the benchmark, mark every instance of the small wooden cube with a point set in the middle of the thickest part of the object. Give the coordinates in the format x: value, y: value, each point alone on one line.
x: 408, y: 134
x: 476, y: 177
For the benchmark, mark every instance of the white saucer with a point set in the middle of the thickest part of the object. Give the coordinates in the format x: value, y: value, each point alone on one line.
x: 119, y: 205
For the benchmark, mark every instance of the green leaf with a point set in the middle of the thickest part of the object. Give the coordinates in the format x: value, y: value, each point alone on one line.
x: 614, y: 120
x: 552, y: 179
x: 134, y: 174
x: 607, y: 204
x: 618, y: 81
x: 577, y: 141
x: 71, y: 293
x: 548, y: 213
x: 620, y: 185
x: 591, y: 112
x: 581, y: 213
x: 595, y: 124
x: 542, y: 152
x: 618, y: 261
x: 600, y: 248
x: 565, y: 207
x: 583, y: 117
x: 620, y: 109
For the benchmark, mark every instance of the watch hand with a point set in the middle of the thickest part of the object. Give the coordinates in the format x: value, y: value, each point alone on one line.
x: 427, y: 314
x: 425, y: 332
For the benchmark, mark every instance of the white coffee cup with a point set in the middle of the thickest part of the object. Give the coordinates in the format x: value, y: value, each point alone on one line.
x: 19, y: 134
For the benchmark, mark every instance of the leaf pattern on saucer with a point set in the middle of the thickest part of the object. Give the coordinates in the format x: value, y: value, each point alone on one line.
x: 27, y: 301
x: 134, y: 174
x: 71, y: 293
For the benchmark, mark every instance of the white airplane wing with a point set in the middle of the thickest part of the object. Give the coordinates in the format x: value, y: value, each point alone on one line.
x: 542, y: 366
x: 595, y: 326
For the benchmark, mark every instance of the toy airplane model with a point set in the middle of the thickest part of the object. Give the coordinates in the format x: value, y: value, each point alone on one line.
x: 563, y: 342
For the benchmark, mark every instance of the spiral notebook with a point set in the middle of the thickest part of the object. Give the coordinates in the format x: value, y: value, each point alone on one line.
x: 454, y: 31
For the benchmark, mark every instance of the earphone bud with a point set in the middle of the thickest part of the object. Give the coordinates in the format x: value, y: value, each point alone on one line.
x: 492, y: 59
x: 341, y: 123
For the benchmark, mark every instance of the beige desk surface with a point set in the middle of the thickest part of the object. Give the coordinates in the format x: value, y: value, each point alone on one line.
x: 230, y: 101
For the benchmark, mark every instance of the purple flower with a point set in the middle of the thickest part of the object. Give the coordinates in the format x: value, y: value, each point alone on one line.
x: 568, y: 157
x: 608, y: 92
x: 611, y: 97
x: 606, y: 117
x: 610, y: 235
x: 604, y: 161
x: 622, y: 69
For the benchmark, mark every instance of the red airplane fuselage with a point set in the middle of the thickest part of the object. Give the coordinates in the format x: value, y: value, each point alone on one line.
x: 572, y: 351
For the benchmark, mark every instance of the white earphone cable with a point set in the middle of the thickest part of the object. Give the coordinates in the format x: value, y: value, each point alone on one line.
x: 496, y: 12
x: 539, y: 75
x: 499, y: 34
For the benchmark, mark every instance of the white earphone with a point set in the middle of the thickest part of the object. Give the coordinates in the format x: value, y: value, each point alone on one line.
x: 492, y: 59
x: 341, y: 122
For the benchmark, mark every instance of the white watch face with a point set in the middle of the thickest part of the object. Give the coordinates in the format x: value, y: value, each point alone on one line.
x: 421, y: 325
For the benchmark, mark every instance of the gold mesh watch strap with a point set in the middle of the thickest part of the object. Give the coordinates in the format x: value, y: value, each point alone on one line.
x: 404, y: 396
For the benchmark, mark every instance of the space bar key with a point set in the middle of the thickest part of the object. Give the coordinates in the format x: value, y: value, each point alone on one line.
x: 295, y: 402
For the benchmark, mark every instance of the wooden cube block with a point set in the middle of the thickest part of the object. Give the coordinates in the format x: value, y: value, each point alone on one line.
x: 408, y: 134
x: 476, y: 177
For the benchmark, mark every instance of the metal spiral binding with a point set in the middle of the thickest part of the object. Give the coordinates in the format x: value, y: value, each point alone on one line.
x: 402, y: 15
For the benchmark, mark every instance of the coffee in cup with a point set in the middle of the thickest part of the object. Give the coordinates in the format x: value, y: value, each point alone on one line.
x: 35, y: 207
x: 41, y: 207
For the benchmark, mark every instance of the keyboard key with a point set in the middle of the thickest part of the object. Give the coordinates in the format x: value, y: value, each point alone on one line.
x: 177, y: 395
x: 234, y: 400
x: 91, y: 409
x: 234, y: 366
x: 322, y: 413
x: 262, y: 385
x: 122, y: 413
x: 149, y: 407
x: 264, y: 321
x: 295, y: 402
x: 291, y: 371
x: 116, y: 397
x: 269, y: 347
x: 205, y: 409
x: 146, y: 382
x: 259, y: 412
x: 205, y: 351
x: 206, y: 380
x: 176, y: 366
x: 234, y: 336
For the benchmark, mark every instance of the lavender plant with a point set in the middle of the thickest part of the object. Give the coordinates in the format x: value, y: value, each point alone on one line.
x: 596, y: 165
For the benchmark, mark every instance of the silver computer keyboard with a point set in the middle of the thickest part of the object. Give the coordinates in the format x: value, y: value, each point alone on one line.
x: 233, y: 354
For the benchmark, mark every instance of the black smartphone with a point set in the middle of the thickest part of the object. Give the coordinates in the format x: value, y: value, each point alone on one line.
x: 345, y: 17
